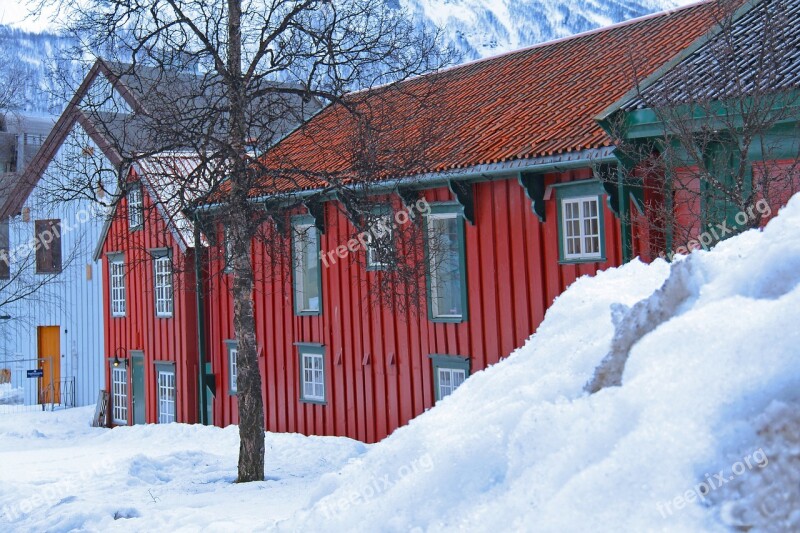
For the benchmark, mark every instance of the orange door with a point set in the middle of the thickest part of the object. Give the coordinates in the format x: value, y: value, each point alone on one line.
x: 50, y: 363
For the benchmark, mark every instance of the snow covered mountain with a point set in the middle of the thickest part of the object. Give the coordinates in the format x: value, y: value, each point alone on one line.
x: 477, y: 28
x: 481, y: 28
x: 36, y: 62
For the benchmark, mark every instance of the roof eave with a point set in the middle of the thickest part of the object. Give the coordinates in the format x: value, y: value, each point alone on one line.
x: 480, y: 172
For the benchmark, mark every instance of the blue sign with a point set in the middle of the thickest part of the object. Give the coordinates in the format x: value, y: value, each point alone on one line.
x: 36, y: 373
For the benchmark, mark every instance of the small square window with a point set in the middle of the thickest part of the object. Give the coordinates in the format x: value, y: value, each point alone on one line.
x: 312, y: 373
x: 580, y: 222
x: 449, y: 372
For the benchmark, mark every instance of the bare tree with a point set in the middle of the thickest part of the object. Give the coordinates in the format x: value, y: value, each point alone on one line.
x: 226, y: 81
x: 726, y: 152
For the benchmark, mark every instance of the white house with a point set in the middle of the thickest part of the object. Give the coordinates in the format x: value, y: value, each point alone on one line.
x: 51, y: 290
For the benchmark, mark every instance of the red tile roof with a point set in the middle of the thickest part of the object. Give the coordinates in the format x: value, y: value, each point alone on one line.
x: 534, y: 102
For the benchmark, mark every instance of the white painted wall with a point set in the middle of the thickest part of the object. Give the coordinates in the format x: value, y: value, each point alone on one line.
x: 70, y: 301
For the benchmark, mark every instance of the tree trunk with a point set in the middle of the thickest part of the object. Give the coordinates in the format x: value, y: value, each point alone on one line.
x: 251, y: 405
x: 248, y: 384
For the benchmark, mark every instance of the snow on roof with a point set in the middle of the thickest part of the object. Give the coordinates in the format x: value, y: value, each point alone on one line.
x: 174, y: 180
x: 756, y: 49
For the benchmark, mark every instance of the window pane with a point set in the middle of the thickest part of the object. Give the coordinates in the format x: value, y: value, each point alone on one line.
x: 233, y: 353
x: 135, y: 208
x: 163, y: 286
x: 581, y: 227
x: 313, y: 377
x: 307, y: 268
x: 449, y: 380
x: 446, y: 279
x: 380, y: 247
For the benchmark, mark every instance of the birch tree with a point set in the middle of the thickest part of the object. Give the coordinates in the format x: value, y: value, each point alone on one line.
x: 249, y: 71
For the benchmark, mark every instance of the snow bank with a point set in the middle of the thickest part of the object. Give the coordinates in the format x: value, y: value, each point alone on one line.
x: 10, y: 395
x: 699, y: 430
x: 57, y: 473
x: 676, y: 447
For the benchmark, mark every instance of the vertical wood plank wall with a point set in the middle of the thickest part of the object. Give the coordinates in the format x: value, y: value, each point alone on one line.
x: 161, y: 339
x: 379, y: 375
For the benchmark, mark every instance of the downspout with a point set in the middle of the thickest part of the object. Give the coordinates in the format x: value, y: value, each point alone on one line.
x: 201, y: 326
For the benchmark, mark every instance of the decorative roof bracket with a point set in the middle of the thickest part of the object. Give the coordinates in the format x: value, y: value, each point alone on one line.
x: 408, y: 197
x: 462, y: 190
x: 317, y: 211
x: 535, y: 191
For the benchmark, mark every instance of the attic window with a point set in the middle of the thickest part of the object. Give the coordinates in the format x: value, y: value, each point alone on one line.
x: 135, y: 209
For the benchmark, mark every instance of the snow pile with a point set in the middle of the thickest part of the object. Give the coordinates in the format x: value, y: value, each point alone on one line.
x: 697, y: 428
x: 680, y: 445
x: 57, y: 473
x: 10, y: 395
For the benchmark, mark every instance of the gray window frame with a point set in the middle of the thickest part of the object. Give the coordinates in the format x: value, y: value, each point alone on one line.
x: 450, y: 362
x: 305, y: 221
x: 230, y: 346
x: 452, y: 210
x: 315, y: 350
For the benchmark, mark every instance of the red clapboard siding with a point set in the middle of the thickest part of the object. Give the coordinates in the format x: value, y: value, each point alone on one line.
x: 161, y: 339
x: 379, y: 375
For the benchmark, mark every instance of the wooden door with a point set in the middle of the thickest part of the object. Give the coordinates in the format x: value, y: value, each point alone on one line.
x: 137, y: 366
x: 50, y: 363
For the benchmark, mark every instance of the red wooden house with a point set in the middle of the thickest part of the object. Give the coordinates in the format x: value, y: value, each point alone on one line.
x: 511, y: 188
x: 150, y: 307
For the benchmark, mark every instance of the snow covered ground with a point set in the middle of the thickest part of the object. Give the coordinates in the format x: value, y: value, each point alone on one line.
x: 703, y: 434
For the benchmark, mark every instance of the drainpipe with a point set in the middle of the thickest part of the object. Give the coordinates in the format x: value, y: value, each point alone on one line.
x: 201, y: 327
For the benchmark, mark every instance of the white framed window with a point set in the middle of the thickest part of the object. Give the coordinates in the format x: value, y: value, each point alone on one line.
x: 119, y: 395
x: 305, y: 250
x: 580, y: 228
x: 227, y: 237
x: 163, y: 284
x: 449, y: 380
x: 312, y: 373
x: 166, y: 394
x: 380, y: 242
x: 446, y: 269
x: 449, y: 372
x: 116, y: 267
x: 135, y: 208
x: 233, y: 366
